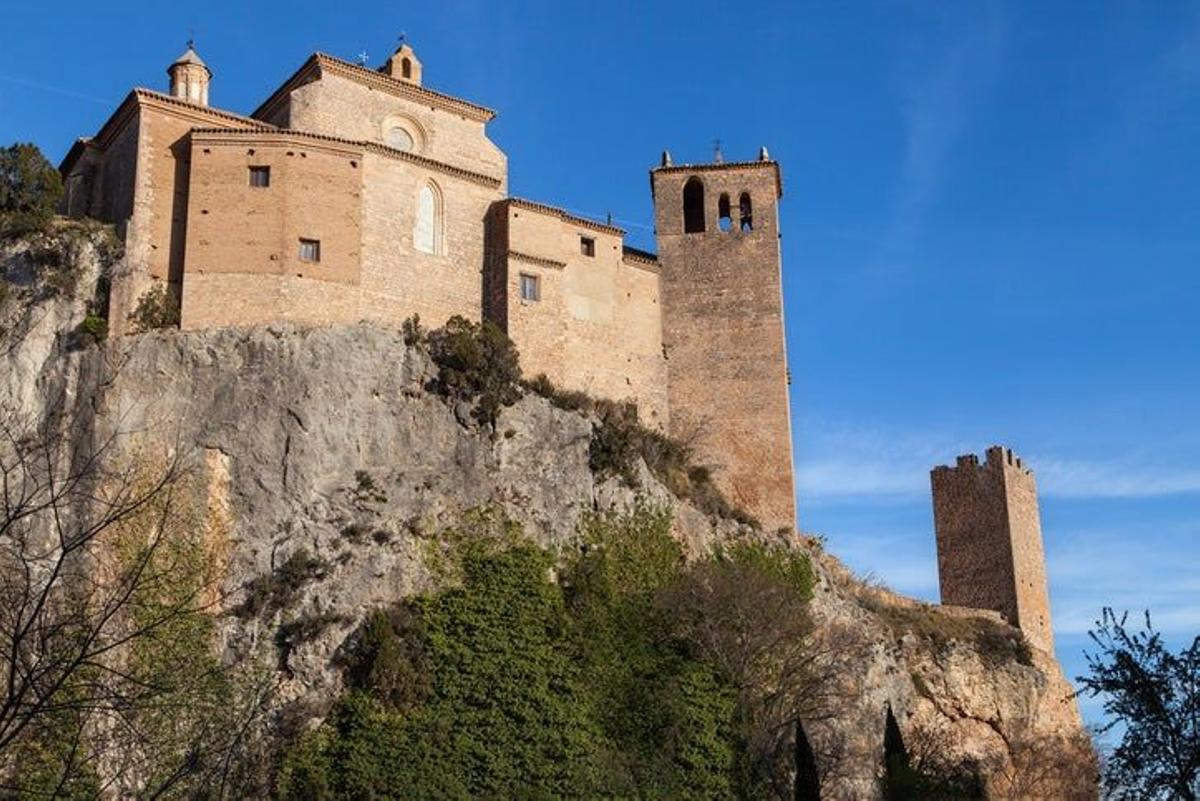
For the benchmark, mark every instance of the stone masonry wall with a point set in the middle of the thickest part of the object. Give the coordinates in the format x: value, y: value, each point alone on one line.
x: 1029, y: 557
x: 338, y: 106
x: 989, y: 541
x: 252, y: 234
x: 597, y: 325
x: 397, y: 279
x: 724, y: 336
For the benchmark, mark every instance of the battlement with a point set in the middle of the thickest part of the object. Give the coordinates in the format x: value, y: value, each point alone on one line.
x: 997, y: 456
x: 989, y: 540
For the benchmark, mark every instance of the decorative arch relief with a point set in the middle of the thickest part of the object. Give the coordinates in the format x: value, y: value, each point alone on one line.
x: 403, y: 133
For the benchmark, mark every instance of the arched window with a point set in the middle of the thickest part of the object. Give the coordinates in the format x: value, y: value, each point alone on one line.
x: 406, y: 68
x: 746, y: 212
x: 724, y: 218
x: 427, y: 231
x: 693, y: 206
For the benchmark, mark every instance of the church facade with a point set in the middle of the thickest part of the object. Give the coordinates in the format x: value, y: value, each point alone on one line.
x: 357, y: 194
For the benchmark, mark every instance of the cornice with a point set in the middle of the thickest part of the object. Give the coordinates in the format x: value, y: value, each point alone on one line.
x: 285, y: 134
x: 564, y: 215
x: 319, y: 62
x: 710, y: 167
x: 536, y: 260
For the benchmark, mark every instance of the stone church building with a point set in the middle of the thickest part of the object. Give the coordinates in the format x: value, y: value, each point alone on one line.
x: 359, y: 194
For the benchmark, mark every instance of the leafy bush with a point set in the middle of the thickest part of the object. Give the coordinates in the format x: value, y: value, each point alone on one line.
x: 156, y: 308
x: 95, y: 327
x: 511, y: 685
x: 619, y: 440
x: 412, y: 330
x: 30, y: 190
x: 277, y: 590
x: 477, y: 363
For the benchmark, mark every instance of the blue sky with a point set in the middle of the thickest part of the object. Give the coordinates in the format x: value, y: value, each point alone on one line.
x: 991, y: 223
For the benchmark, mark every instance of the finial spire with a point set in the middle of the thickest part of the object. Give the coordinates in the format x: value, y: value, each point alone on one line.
x: 763, y: 155
x: 718, y: 157
x: 666, y: 158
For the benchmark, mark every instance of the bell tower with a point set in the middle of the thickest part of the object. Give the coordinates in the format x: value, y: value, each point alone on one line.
x: 190, y: 77
x: 403, y: 65
x: 717, y: 226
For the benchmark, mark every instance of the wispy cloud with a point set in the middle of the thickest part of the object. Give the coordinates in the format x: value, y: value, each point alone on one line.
x: 869, y: 464
x: 935, y: 108
x: 42, y: 87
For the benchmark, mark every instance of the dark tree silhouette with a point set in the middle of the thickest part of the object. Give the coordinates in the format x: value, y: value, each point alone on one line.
x: 1154, y: 695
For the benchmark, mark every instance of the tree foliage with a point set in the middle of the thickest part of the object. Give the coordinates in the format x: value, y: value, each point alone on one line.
x: 30, y: 189
x: 1153, y: 694
x: 544, y: 677
x: 111, y: 677
x: 477, y: 363
x: 157, y: 308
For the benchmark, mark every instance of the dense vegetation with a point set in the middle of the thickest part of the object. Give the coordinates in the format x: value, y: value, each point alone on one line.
x: 30, y: 190
x: 541, y: 677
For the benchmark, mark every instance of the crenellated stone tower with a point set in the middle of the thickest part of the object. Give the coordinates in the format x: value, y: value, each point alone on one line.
x: 722, y: 321
x: 989, y: 541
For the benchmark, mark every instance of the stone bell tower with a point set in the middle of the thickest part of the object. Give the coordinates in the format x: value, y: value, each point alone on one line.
x: 403, y: 65
x: 190, y: 77
x: 722, y: 310
x: 989, y: 541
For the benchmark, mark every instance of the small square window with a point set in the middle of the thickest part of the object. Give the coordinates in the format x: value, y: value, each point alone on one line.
x: 587, y: 246
x: 310, y: 250
x: 260, y: 176
x: 531, y: 287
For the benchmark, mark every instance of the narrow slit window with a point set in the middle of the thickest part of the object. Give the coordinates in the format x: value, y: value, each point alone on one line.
x: 531, y: 288
x: 260, y: 177
x: 310, y: 250
x: 746, y: 211
x: 587, y: 246
x: 693, y: 206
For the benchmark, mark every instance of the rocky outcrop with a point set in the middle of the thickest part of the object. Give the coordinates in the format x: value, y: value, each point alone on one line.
x: 325, y: 441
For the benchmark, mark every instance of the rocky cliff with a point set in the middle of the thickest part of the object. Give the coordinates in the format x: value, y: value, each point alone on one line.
x: 327, y: 441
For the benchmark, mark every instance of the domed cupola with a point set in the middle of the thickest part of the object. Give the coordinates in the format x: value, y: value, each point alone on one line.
x: 190, y: 77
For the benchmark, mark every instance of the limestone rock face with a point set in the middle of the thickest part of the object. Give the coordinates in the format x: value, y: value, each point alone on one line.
x: 326, y: 441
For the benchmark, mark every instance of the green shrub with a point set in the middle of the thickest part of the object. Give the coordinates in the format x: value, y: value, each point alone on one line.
x: 512, y: 685
x: 30, y: 190
x: 477, y: 363
x: 157, y: 308
x: 278, y: 590
x: 366, y: 489
x: 619, y: 440
x: 388, y: 659
x: 95, y: 327
x: 304, y: 629
x: 413, y: 332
